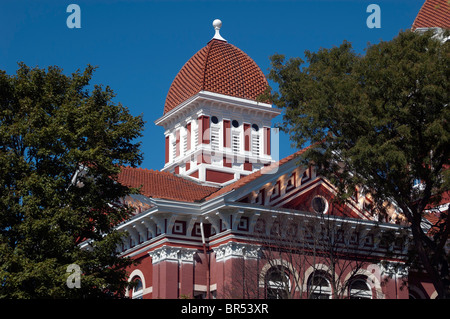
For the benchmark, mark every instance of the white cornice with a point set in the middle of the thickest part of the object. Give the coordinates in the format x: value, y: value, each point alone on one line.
x: 237, y: 100
x: 192, y: 102
x: 438, y: 33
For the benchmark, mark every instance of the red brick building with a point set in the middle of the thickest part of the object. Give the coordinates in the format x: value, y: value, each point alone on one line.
x: 224, y: 219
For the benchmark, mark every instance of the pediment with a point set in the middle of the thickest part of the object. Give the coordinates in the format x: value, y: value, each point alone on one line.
x: 301, y: 189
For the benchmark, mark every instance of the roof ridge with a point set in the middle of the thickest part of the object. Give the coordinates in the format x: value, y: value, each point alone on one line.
x: 139, y: 168
x: 240, y: 75
x: 205, y: 62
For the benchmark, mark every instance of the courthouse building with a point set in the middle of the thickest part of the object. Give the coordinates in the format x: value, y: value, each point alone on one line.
x: 224, y: 219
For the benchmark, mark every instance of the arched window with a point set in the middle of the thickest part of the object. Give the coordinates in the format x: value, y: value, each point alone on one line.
x: 278, y: 285
x: 359, y: 289
x: 319, y: 286
x: 138, y: 288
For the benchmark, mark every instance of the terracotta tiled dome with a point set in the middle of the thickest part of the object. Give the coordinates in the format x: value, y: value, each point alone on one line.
x: 219, y: 67
x: 434, y: 13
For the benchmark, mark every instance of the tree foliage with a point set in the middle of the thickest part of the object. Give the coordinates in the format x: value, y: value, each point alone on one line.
x: 380, y: 120
x: 62, y: 142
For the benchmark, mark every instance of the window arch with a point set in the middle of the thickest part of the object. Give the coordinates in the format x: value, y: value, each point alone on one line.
x: 319, y: 286
x: 370, y: 279
x: 277, y: 282
x: 359, y: 289
x: 138, y: 288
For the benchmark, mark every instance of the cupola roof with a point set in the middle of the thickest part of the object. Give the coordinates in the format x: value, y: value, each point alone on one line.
x: 433, y: 14
x: 219, y: 67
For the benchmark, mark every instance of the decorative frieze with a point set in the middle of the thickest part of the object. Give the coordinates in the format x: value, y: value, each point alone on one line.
x: 172, y: 254
x: 236, y: 250
x: 392, y: 269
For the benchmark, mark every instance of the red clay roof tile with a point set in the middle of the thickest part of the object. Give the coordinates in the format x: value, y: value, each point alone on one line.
x: 434, y: 13
x: 219, y: 67
x: 166, y: 185
x: 163, y: 185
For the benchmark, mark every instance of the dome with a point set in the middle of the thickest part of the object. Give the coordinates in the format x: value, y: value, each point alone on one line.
x: 219, y: 67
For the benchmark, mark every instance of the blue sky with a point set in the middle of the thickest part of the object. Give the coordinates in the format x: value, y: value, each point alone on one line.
x: 139, y: 46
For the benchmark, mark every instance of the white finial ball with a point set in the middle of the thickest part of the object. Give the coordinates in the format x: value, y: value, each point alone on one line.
x: 217, y: 24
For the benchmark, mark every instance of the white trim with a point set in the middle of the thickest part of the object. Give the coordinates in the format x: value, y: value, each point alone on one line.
x: 438, y: 209
x: 277, y: 262
x: 161, y: 209
x: 317, y: 267
x: 312, y: 183
x: 324, y: 268
x: 362, y: 293
x: 249, y: 105
x: 327, y: 206
x: 434, y: 295
x: 203, y: 288
x: 438, y: 33
x: 372, y: 281
x: 145, y: 289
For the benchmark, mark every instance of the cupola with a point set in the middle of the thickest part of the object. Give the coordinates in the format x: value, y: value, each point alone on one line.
x: 216, y: 130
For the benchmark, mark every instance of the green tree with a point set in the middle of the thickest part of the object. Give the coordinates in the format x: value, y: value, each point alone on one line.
x: 62, y: 142
x: 380, y: 120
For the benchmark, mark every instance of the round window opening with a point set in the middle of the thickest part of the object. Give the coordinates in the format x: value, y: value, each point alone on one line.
x: 214, y: 119
x: 235, y: 123
x: 319, y: 204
